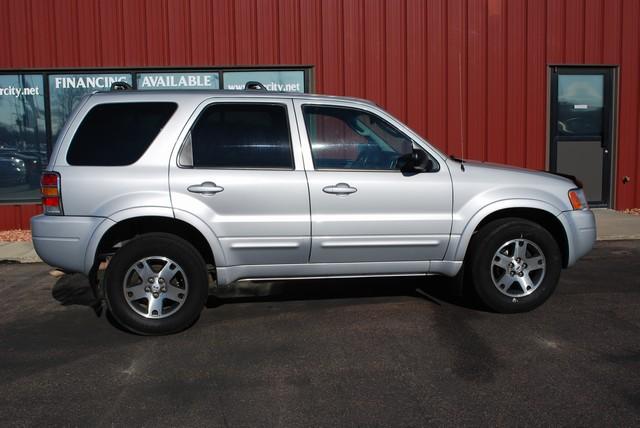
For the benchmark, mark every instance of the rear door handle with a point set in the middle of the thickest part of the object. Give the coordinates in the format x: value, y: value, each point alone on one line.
x: 340, y: 189
x: 207, y: 188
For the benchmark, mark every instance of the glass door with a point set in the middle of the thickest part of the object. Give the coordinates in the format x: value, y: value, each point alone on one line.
x: 581, y: 118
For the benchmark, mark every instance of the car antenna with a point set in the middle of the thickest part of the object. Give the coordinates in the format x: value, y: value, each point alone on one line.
x: 462, y: 121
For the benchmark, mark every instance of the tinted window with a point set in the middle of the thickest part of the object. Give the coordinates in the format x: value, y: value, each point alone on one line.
x: 242, y: 136
x: 343, y: 138
x: 118, y: 134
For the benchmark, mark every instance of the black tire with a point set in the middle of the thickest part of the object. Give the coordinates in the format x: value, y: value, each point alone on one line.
x: 488, y: 241
x: 193, y: 272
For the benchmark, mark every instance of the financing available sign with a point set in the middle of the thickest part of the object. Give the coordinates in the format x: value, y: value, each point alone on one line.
x: 92, y: 82
x: 187, y: 80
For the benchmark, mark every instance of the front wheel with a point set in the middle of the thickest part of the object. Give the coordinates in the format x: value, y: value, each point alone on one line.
x: 515, y: 265
x: 156, y: 284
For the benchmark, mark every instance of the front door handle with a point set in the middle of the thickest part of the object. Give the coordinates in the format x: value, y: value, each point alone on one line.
x: 340, y: 189
x: 207, y: 188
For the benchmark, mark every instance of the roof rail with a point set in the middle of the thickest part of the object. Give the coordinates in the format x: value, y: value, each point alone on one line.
x: 121, y: 86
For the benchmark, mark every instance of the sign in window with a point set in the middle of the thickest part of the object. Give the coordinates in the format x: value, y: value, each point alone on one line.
x: 187, y: 80
x: 279, y: 81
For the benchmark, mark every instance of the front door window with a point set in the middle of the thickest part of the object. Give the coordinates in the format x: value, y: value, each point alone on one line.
x: 344, y: 138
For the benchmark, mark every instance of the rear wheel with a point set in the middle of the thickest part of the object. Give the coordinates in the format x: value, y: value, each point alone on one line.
x: 156, y: 284
x: 515, y: 265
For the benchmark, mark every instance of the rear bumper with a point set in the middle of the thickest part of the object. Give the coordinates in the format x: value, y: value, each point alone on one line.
x: 62, y: 241
x: 580, y: 226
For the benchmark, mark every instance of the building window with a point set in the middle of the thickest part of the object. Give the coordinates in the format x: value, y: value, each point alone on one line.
x: 23, y: 138
x: 35, y: 105
x: 278, y: 81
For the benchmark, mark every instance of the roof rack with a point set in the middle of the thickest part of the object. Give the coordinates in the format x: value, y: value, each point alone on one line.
x: 121, y: 86
x: 249, y: 86
x: 255, y: 86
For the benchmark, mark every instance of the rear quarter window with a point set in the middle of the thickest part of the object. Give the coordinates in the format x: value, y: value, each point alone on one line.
x: 118, y: 134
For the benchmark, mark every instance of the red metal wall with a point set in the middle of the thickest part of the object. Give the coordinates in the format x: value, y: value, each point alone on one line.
x: 469, y: 73
x: 17, y: 216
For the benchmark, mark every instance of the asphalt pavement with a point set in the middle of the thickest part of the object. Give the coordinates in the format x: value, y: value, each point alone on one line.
x: 383, y: 352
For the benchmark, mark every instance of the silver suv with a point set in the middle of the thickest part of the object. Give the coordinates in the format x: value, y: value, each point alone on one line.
x: 178, y: 190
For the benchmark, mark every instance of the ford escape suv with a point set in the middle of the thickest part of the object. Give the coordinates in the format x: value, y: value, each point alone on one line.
x: 173, y: 189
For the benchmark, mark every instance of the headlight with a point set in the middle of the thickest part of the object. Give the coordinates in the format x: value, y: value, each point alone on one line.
x: 578, y: 199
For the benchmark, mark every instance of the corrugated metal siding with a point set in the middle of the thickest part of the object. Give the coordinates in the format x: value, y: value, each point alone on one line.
x: 629, y: 117
x: 463, y: 73
x: 17, y: 216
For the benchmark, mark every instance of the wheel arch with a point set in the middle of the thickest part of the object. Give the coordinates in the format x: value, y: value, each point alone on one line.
x: 194, y: 232
x: 540, y: 213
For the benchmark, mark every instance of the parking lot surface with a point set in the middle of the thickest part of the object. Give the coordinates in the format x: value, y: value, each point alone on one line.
x: 383, y: 352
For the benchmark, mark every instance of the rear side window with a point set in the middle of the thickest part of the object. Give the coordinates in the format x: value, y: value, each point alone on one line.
x: 242, y: 136
x: 118, y: 134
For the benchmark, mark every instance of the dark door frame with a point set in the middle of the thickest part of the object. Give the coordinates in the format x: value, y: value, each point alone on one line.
x: 607, y: 126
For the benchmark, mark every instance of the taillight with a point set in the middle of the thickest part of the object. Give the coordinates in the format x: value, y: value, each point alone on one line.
x: 50, y: 190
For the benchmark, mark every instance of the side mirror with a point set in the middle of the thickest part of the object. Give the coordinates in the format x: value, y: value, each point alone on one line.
x: 416, y: 161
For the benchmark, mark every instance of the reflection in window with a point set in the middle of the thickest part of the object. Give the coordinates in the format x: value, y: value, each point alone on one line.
x: 580, y: 103
x: 23, y: 140
x: 242, y: 136
x: 272, y: 80
x: 345, y: 138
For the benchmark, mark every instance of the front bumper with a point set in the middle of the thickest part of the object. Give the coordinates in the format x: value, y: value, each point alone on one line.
x: 580, y: 226
x: 62, y: 241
